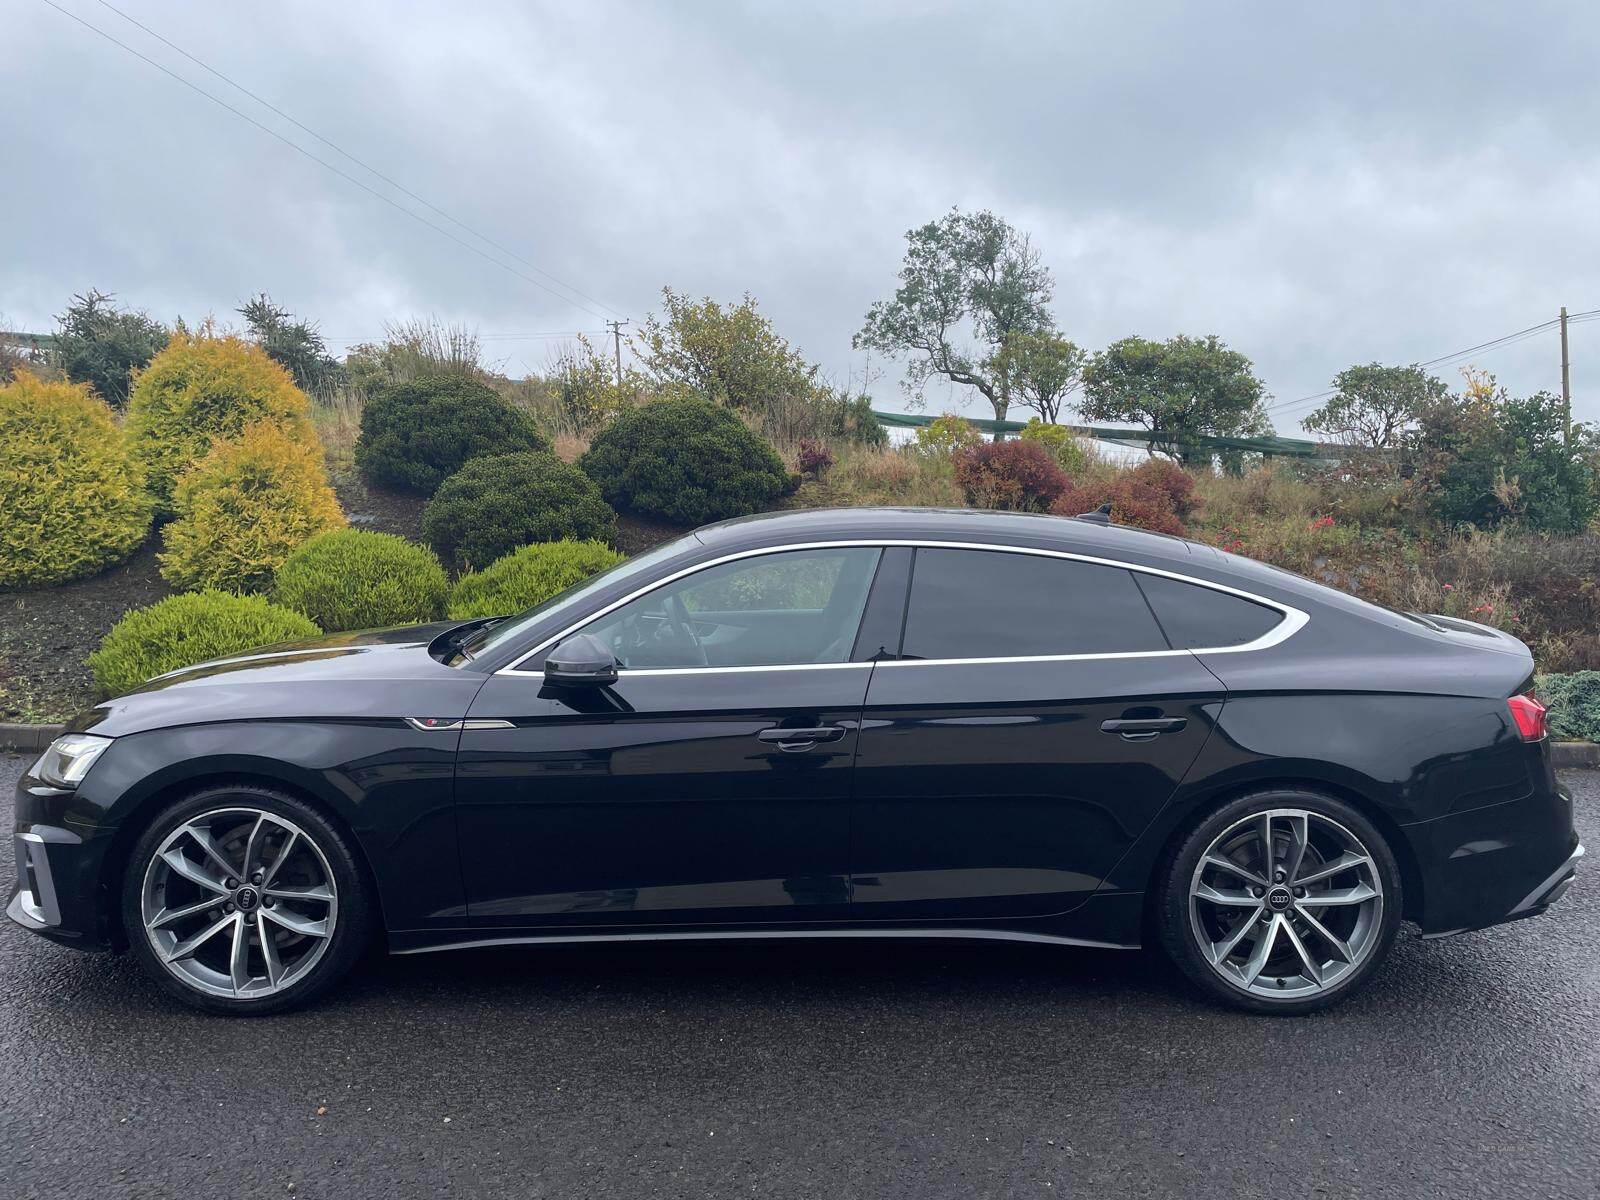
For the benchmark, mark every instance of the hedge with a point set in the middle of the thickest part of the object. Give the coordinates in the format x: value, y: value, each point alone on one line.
x: 1574, y: 702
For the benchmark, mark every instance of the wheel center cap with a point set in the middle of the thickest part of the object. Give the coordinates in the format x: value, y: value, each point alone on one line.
x: 1278, y: 899
x: 246, y: 898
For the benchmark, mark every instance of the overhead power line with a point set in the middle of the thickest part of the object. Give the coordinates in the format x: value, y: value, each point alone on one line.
x: 322, y: 162
x: 1521, y: 335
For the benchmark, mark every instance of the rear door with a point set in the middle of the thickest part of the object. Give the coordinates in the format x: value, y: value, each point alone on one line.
x: 1034, y: 721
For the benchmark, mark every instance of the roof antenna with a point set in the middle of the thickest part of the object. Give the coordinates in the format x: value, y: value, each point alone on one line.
x: 1100, y: 516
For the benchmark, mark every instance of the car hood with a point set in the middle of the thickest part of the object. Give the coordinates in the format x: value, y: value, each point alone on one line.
x: 382, y: 674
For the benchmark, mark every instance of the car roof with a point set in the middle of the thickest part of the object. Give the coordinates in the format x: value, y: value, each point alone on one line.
x: 956, y: 525
x: 1070, y: 534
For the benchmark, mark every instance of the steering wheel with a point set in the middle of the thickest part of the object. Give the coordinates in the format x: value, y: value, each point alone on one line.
x: 678, y: 618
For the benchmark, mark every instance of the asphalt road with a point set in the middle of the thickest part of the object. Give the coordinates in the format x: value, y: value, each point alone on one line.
x: 1471, y: 1068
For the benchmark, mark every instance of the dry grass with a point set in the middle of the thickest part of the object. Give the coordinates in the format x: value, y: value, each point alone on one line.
x: 337, y: 418
x: 569, y: 447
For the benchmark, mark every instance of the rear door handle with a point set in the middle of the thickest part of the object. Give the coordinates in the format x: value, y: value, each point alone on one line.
x: 1142, y: 729
x: 801, y: 739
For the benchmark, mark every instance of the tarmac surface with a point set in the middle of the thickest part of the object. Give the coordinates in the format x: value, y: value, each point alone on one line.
x: 813, y: 1069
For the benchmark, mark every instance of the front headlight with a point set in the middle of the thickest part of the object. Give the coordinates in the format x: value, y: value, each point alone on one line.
x: 69, y: 758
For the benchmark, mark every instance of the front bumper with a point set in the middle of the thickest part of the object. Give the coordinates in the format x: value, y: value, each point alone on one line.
x: 60, y: 890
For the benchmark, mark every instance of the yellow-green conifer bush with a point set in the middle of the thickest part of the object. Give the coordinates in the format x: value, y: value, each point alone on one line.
x: 201, y: 390
x: 244, y: 508
x: 72, y: 498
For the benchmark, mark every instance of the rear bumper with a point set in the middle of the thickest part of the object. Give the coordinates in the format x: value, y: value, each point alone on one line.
x: 1552, y: 888
x: 1496, y: 864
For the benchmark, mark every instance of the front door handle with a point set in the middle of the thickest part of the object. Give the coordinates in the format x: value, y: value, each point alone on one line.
x: 801, y: 739
x: 1142, y: 729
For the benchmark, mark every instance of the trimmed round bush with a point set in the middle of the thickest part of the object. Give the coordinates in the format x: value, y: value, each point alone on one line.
x: 187, y: 629
x: 358, y: 579
x: 493, y: 505
x: 415, y: 435
x: 527, y: 577
x: 686, y: 461
x: 201, y: 390
x: 244, y: 508
x: 72, y: 499
x: 1014, y: 475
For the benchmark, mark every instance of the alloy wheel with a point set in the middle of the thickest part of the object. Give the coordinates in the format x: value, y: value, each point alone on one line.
x: 1286, y: 903
x: 239, y: 902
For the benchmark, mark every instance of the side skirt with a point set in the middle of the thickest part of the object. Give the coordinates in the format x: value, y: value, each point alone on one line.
x: 993, y: 935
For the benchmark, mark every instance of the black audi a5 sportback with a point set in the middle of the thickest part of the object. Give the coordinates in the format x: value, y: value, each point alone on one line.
x: 855, y: 723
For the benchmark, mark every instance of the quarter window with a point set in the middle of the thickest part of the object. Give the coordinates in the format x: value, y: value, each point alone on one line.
x: 1197, y: 617
x: 782, y: 609
x: 992, y: 604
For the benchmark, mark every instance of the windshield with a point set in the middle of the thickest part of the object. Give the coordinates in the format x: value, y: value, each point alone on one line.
x: 501, y: 632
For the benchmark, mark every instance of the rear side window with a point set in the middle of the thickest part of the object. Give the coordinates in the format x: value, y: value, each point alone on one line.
x: 1197, y: 617
x: 991, y: 604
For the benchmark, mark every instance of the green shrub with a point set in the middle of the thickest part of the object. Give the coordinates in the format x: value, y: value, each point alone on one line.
x: 493, y: 505
x: 244, y: 508
x: 183, y: 630
x: 1061, y: 443
x: 944, y: 435
x: 200, y: 390
x: 72, y: 499
x: 417, y: 433
x: 1574, y: 702
x: 357, y: 579
x: 527, y: 577
x: 685, y: 460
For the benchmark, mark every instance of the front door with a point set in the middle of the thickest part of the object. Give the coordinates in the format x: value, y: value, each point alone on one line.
x: 710, y: 783
x: 1033, y: 724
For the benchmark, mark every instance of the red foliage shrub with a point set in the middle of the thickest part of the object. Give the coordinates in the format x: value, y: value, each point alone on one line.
x: 1018, y: 475
x: 1157, y: 495
x: 813, y: 458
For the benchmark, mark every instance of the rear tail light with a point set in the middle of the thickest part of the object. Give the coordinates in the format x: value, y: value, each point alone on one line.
x: 1529, y: 716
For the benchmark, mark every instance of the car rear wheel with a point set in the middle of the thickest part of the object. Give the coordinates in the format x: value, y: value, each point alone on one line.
x: 244, y: 900
x: 1281, y: 902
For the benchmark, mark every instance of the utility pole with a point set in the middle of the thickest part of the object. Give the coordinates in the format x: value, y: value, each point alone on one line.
x: 616, y: 338
x: 1566, y: 385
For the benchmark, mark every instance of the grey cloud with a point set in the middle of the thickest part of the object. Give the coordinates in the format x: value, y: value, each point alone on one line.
x: 1319, y: 186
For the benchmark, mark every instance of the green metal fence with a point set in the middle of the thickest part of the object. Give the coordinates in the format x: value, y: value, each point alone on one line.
x: 1140, y: 439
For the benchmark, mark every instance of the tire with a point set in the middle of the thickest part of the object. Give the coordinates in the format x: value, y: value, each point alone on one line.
x: 1254, y: 939
x: 236, y: 941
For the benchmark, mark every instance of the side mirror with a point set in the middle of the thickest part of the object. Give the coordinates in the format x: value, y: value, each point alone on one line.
x: 581, y: 661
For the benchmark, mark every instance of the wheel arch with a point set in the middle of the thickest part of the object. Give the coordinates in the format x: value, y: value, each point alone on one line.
x: 1411, y: 878
x: 148, y: 806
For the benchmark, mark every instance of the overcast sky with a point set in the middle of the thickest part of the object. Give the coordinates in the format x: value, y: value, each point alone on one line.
x: 1319, y: 185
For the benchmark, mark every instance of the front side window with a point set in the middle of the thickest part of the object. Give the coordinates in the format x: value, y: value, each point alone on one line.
x: 993, y: 604
x: 781, y: 609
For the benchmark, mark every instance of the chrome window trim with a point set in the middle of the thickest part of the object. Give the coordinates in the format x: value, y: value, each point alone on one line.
x: 1294, y: 619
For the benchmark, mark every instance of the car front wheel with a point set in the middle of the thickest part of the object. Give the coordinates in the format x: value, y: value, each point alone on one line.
x: 244, y: 900
x: 1281, y: 902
